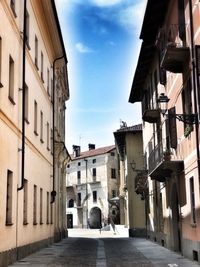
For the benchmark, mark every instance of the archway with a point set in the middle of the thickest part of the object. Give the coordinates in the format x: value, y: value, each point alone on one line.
x: 95, y: 218
x: 175, y: 219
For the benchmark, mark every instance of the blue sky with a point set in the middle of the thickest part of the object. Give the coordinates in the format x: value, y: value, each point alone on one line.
x: 102, y: 44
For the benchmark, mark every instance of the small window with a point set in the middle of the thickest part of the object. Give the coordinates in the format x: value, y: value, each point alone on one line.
x: 71, y: 203
x: 47, y: 207
x: 26, y: 103
x: 79, y: 163
x: 94, y: 193
x: 94, y: 172
x: 113, y: 173
x: 68, y: 166
x: 35, y: 204
x: 192, y: 200
x: 79, y: 199
x: 51, y: 213
x: 9, y: 197
x: 52, y: 141
x: 41, y: 127
x: 42, y: 66
x: 27, y: 29
x: 41, y: 206
x: 12, y: 6
x: 11, y: 80
x: 48, y: 148
x: 94, y: 161
x: 35, y: 118
x: 114, y: 193
x: 48, y: 92
x: 25, y: 206
x: 78, y: 177
x: 36, y: 51
x: 112, y: 154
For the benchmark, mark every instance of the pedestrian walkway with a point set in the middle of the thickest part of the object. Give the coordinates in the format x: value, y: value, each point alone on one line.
x: 68, y: 250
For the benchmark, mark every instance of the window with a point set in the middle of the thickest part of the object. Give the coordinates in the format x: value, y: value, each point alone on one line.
x: 112, y: 154
x: 11, y: 80
x: 12, y: 6
x: 114, y: 193
x: 78, y: 177
x: 0, y: 60
x: 9, y: 197
x: 27, y: 29
x: 51, y: 214
x: 48, y: 92
x: 79, y: 199
x: 51, y: 90
x: 36, y: 51
x: 192, y: 200
x: 94, y: 161
x: 52, y: 141
x: 42, y: 66
x: 71, y: 203
x: 79, y: 163
x: 35, y: 204
x: 94, y: 193
x: 41, y: 206
x: 94, y: 172
x: 35, y: 118
x: 26, y: 103
x: 41, y: 127
x: 25, y: 207
x: 48, y: 148
x: 47, y: 207
x: 113, y: 173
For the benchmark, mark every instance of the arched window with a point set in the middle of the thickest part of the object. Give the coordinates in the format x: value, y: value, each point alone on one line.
x: 71, y: 203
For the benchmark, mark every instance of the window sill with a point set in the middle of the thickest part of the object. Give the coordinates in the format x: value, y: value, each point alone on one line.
x: 42, y: 141
x: 35, y: 133
x: 35, y: 223
x: 9, y: 223
x: 25, y: 223
x: 28, y: 46
x: 27, y: 121
x: 11, y: 100
x: 48, y: 148
x: 41, y: 223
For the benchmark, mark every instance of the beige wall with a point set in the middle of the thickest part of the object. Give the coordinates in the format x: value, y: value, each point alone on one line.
x: 38, y: 157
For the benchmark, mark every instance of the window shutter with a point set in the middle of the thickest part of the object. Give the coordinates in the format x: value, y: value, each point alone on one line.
x: 172, y: 128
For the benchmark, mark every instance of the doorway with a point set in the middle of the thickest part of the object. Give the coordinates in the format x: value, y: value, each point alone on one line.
x: 69, y: 220
x: 95, y: 218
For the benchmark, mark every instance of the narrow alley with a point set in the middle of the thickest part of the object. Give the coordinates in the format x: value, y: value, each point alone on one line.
x: 86, y: 247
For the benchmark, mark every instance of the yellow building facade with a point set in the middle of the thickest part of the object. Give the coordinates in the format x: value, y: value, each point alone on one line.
x: 33, y: 91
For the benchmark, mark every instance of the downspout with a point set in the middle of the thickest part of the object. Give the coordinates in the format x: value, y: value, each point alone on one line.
x: 196, y: 93
x: 53, y: 192
x: 23, y: 101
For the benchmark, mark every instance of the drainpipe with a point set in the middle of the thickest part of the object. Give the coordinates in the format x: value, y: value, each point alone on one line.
x: 23, y: 100
x: 196, y: 93
x: 53, y: 192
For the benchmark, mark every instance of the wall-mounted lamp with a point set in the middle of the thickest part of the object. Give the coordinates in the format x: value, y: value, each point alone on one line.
x: 186, y: 118
x: 133, y: 166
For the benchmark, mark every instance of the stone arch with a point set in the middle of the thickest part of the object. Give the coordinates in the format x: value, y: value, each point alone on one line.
x: 95, y: 218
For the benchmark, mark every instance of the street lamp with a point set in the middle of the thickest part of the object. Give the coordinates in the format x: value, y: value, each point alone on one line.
x: 186, y: 118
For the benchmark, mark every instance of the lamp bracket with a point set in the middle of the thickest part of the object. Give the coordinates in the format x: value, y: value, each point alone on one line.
x: 186, y: 118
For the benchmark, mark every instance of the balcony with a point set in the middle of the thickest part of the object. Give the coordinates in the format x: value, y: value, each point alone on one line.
x: 162, y: 164
x: 151, y: 115
x: 174, y: 51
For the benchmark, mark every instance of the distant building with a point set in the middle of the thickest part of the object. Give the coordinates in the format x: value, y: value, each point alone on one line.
x: 92, y: 187
x: 133, y: 178
x: 33, y: 91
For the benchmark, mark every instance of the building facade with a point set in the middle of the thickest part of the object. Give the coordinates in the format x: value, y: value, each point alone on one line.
x: 33, y: 91
x: 166, y: 82
x: 92, y: 187
x: 132, y: 172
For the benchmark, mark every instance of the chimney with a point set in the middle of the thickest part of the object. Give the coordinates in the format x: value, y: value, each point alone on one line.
x: 91, y: 146
x: 76, y: 151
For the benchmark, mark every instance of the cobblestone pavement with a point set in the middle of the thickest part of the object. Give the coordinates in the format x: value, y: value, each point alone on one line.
x: 106, y: 249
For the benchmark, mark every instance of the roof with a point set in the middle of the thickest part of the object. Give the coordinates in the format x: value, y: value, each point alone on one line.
x: 153, y: 18
x: 134, y: 128
x: 94, y: 152
x: 146, y: 55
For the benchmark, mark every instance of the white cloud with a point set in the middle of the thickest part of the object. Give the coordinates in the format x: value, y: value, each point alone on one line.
x: 81, y: 48
x: 105, y: 3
